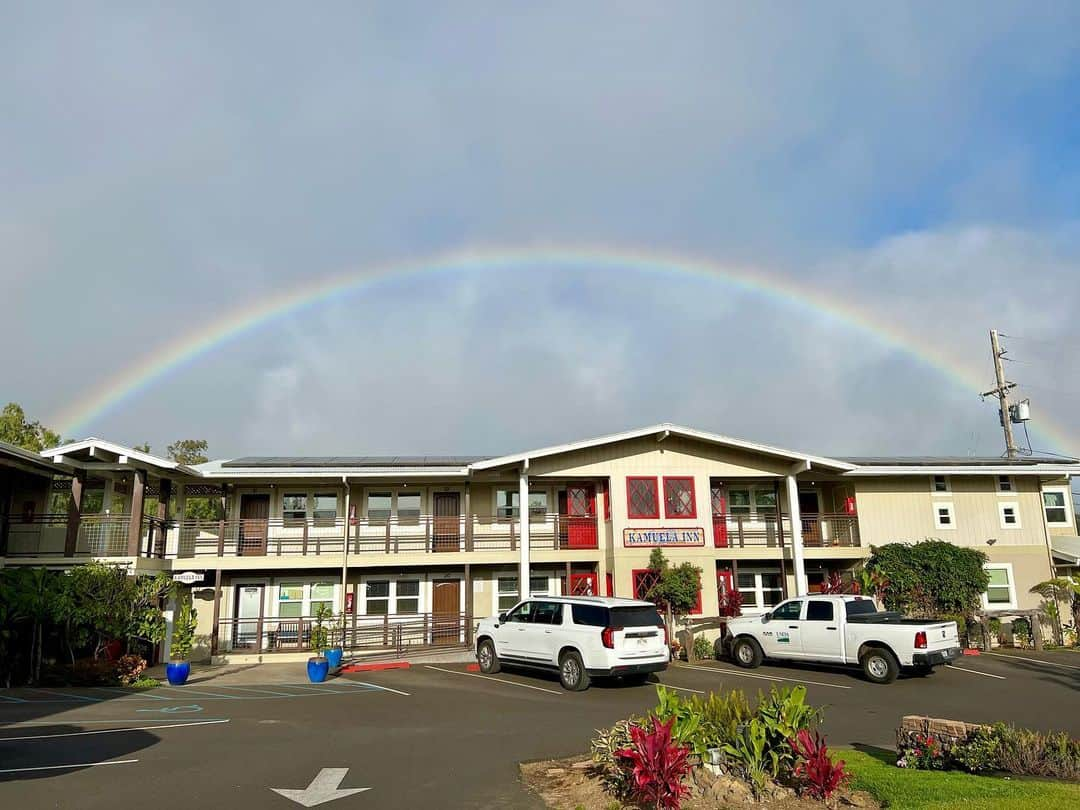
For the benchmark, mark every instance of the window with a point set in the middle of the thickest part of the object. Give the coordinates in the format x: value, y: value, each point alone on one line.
x: 1000, y: 592
x: 765, y: 504
x: 759, y: 589
x: 679, y: 501
x: 408, y: 596
x: 943, y: 516
x: 377, y: 597
x: 508, y: 501
x: 522, y: 613
x: 1055, y: 504
x: 789, y: 611
x: 1009, y: 515
x: 322, y: 593
x: 819, y: 611
x: 739, y: 502
x: 290, y: 600
x: 547, y: 613
x: 93, y: 502
x: 939, y: 484
x: 538, y: 507
x: 294, y: 508
x: 1005, y: 484
x: 644, y: 580
x: 325, y: 512
x: 408, y: 508
x: 641, y: 498
x: 507, y: 593
x: 590, y: 615
x: 378, y: 507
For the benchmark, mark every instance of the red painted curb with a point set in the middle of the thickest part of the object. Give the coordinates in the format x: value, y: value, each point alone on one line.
x: 971, y: 651
x: 472, y: 668
x: 376, y: 667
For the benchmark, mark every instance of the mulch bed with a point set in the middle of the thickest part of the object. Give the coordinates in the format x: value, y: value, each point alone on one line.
x: 573, y: 784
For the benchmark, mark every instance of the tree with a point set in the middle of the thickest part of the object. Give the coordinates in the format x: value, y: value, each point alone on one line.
x: 15, y: 429
x: 189, y: 451
x: 1056, y: 590
x: 931, y: 579
x: 142, y: 448
x: 674, y: 588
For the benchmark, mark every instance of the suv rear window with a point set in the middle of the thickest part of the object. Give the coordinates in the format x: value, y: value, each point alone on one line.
x: 859, y: 607
x: 635, y: 617
x: 591, y: 615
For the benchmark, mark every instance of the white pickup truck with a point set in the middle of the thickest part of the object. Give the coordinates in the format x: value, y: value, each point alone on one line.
x: 841, y: 630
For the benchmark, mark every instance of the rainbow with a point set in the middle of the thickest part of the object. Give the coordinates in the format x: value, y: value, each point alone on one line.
x: 252, y: 315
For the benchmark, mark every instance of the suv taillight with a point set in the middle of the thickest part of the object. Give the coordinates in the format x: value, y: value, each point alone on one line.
x: 663, y: 629
x: 920, y: 640
x: 607, y: 637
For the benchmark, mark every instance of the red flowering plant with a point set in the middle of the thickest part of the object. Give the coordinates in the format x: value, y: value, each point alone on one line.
x: 817, y: 774
x: 658, y: 764
x: 924, y: 753
x: 731, y: 602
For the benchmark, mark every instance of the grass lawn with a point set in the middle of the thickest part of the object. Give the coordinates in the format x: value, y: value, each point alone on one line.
x: 900, y: 789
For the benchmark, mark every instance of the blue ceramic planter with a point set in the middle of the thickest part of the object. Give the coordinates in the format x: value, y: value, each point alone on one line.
x: 177, y: 672
x: 334, y: 656
x: 317, y: 669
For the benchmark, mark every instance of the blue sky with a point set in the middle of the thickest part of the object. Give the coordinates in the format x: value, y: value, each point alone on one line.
x: 163, y: 166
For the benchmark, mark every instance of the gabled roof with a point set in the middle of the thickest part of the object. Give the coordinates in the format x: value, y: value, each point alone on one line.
x: 97, y: 452
x: 14, y: 456
x: 663, y: 430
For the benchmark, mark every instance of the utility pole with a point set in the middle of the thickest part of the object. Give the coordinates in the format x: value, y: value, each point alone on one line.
x: 1001, y: 391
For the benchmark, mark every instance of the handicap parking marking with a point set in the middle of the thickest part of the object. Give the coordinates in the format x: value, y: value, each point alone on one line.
x: 741, y: 674
x: 71, y: 765
x: 190, y: 708
x: 497, y: 680
x: 29, y: 737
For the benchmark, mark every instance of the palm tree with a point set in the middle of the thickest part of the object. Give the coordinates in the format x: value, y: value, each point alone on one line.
x: 1055, y: 591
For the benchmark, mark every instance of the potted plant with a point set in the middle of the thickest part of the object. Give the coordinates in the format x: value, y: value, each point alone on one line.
x: 335, y: 653
x: 318, y: 667
x: 179, y: 668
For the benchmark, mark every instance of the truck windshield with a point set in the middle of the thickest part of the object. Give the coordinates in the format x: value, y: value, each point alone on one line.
x: 635, y: 617
x: 860, y: 607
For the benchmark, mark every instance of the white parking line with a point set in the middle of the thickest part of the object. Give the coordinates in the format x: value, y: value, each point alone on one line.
x: 250, y: 689
x: 383, y: 688
x: 71, y: 695
x: 760, y: 677
x: 73, y: 765
x: 110, y: 731
x: 683, y: 689
x: 1033, y: 660
x: 976, y: 672
x: 497, y: 680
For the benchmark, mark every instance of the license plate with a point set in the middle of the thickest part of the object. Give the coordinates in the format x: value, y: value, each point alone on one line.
x: 641, y: 642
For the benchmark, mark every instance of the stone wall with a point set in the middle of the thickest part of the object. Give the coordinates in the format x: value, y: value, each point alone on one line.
x: 947, y: 732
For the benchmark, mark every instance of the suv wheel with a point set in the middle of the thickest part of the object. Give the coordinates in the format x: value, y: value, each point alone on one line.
x: 572, y: 672
x: 487, y: 658
x: 746, y: 653
x: 879, y: 665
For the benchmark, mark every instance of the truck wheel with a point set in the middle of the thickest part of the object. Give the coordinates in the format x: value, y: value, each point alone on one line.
x: 879, y: 665
x: 746, y: 653
x: 572, y: 674
x: 487, y: 658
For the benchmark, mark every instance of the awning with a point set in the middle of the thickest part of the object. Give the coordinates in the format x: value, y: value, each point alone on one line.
x: 1066, y: 549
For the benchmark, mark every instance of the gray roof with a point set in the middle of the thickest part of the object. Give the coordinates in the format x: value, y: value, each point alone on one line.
x: 354, y: 461
x: 952, y: 461
x: 17, y: 454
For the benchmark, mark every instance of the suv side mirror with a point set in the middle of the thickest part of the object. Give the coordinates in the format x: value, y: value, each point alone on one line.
x: 765, y: 618
x: 502, y: 618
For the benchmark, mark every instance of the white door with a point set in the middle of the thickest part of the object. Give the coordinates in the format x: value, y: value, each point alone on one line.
x: 821, y: 631
x: 249, y: 599
x: 543, y: 639
x: 781, y: 636
x: 510, y: 638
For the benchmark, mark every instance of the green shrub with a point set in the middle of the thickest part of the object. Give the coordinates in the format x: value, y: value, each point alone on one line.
x: 784, y: 714
x: 1021, y: 630
x: 704, y: 723
x: 703, y: 648
x: 930, y: 579
x: 129, y: 668
x: 616, y: 779
x: 183, y: 635
x: 752, y: 756
x: 1029, y: 753
x: 978, y: 753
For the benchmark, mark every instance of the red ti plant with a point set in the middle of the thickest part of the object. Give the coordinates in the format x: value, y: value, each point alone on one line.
x: 658, y: 764
x: 819, y: 774
x: 833, y: 584
x: 731, y: 601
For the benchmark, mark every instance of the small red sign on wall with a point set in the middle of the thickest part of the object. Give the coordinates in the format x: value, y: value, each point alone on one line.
x: 350, y: 604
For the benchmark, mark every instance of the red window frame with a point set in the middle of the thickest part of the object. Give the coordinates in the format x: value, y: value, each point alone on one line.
x: 693, y: 498
x: 656, y: 501
x: 609, y: 581
x: 606, y: 491
x: 698, y: 608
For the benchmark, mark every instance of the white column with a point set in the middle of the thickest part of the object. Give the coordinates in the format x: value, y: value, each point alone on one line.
x: 796, y: 534
x: 523, y: 516
x: 345, y: 548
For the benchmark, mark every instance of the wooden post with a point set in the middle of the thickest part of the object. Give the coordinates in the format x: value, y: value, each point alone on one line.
x: 164, y: 496
x: 224, y: 502
x: 569, y: 571
x: 135, y: 521
x: 214, y: 634
x: 468, y: 604
x: 468, y: 517
x: 513, y: 541
x: 304, y: 548
x: 262, y: 611
x: 387, y: 534
x: 74, y: 516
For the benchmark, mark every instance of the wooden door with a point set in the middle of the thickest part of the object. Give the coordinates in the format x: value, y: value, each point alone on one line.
x: 446, y: 534
x: 562, y: 539
x: 581, y: 516
x: 254, y: 523
x: 719, y: 516
x: 809, y: 512
x: 446, y: 611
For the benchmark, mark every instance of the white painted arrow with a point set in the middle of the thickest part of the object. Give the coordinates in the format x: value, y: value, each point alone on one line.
x: 323, y: 788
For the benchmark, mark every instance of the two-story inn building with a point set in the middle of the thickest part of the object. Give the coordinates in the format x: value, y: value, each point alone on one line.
x: 411, y: 550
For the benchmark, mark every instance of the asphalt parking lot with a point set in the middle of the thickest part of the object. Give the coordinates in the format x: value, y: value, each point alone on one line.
x: 434, y: 735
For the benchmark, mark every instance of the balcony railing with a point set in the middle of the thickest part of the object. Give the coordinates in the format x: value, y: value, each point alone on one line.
x: 99, y: 536
x: 422, y: 534
x: 386, y: 633
x: 818, y: 531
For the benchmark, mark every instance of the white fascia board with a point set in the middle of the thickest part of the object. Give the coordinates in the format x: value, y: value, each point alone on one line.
x: 334, y: 472
x: 1038, y: 469
x: 663, y: 429
x: 125, y: 455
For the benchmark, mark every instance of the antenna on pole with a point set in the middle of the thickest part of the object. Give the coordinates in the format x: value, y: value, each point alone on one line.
x: 1001, y: 391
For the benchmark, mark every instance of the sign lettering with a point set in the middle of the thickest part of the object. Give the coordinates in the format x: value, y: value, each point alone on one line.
x: 665, y: 538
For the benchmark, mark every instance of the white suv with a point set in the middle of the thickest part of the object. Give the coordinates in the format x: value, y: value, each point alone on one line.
x: 583, y: 637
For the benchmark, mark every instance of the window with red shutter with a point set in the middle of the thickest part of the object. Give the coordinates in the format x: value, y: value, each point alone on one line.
x: 642, y: 500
